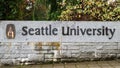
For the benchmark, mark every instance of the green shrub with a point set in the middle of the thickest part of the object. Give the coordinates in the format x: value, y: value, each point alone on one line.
x: 9, y: 9
x: 96, y: 10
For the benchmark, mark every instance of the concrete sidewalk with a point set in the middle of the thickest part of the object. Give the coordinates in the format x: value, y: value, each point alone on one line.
x: 94, y: 64
x: 87, y: 64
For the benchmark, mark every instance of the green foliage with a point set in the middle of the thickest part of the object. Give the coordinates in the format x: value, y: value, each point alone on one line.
x: 9, y: 9
x: 54, y: 9
x: 96, y: 10
x: 39, y: 10
x: 77, y: 10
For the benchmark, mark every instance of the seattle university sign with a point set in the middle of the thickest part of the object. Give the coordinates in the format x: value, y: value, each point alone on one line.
x: 58, y: 31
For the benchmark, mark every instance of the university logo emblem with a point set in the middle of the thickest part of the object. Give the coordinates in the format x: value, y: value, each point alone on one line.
x: 10, y: 31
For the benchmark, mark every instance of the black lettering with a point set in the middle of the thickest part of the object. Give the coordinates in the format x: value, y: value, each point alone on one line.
x: 50, y: 29
x: 77, y: 30
x: 112, y: 33
x: 89, y: 31
x: 99, y: 32
x: 24, y: 29
x: 30, y: 31
x: 42, y: 30
x: 37, y: 31
x: 103, y: 30
x: 106, y: 29
x: 83, y: 31
x: 94, y: 30
x: 73, y: 31
x: 67, y: 31
x: 47, y: 32
x: 54, y: 31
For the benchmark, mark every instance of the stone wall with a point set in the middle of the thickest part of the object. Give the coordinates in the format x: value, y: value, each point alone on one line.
x: 91, y: 51
x: 17, y: 53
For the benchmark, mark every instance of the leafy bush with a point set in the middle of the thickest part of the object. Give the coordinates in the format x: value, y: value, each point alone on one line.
x: 78, y: 10
x: 96, y: 10
x: 9, y: 9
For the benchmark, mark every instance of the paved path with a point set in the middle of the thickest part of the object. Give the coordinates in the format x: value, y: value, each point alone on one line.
x: 90, y: 64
